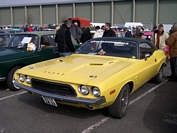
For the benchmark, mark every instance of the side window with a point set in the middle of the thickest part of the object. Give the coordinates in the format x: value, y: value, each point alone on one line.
x: 48, y: 41
x: 16, y: 41
x: 145, y: 48
x: 6, y: 40
x: 1, y: 41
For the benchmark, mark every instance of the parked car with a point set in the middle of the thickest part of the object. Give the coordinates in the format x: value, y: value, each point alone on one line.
x: 102, y: 73
x: 24, y: 49
x: 48, y: 29
x: 7, y: 31
x: 17, y: 29
x: 4, y: 38
x: 148, y: 35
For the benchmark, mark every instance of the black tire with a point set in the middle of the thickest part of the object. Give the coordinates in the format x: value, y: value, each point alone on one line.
x: 119, y: 108
x: 10, y: 77
x: 159, y: 77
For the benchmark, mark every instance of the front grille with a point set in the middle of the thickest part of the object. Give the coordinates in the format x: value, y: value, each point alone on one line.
x: 54, y: 88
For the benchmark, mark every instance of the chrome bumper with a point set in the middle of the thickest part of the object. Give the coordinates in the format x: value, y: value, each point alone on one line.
x: 2, y: 78
x: 69, y: 99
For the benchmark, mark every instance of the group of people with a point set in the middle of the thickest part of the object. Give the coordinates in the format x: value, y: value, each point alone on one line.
x: 167, y: 42
x: 69, y: 34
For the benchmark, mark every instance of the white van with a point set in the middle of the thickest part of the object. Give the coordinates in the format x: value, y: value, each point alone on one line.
x: 133, y: 24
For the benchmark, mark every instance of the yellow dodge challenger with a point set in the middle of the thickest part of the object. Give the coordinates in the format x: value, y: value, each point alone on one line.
x: 102, y: 73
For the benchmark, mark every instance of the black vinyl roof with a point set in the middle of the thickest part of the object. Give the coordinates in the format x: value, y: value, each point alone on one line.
x: 137, y: 40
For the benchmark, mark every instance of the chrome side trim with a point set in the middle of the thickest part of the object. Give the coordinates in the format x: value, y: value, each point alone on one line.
x: 2, y: 78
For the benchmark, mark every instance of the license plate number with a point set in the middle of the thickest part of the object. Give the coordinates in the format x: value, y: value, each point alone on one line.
x: 50, y: 101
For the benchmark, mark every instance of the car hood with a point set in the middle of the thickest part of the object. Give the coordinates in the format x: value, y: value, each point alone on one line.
x: 8, y: 54
x: 77, y: 68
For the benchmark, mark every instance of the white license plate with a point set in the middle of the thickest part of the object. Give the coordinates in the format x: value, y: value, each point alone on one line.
x: 50, y: 101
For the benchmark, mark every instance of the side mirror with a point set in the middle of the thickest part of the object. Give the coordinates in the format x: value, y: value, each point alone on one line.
x: 146, y: 55
x: 41, y: 47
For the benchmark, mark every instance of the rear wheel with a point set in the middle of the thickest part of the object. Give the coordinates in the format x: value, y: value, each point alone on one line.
x: 10, y: 79
x: 159, y: 77
x: 119, y: 108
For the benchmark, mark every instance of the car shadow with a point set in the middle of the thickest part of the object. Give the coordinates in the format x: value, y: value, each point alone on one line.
x: 66, y: 110
x: 161, y: 114
x: 3, y: 85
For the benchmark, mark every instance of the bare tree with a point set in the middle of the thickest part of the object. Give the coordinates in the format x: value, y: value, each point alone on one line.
x: 64, y: 17
x: 29, y: 19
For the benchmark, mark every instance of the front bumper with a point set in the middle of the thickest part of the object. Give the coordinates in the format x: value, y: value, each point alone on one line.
x: 2, y: 78
x: 75, y: 100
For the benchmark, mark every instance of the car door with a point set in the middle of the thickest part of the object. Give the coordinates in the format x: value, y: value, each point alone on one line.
x: 148, y: 62
x: 47, y: 48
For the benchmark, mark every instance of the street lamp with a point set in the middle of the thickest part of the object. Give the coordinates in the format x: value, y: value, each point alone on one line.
x: 19, y: 23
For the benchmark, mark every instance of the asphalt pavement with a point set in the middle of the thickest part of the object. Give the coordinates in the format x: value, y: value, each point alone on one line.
x: 153, y: 109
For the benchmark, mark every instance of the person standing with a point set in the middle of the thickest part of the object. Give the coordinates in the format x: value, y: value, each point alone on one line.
x: 79, y: 32
x: 172, y: 43
x: 127, y: 33
x: 86, y: 35
x: 30, y: 28
x: 108, y: 31
x: 74, y: 30
x: 98, y: 32
x: 63, y: 39
x: 26, y: 28
x: 159, y: 36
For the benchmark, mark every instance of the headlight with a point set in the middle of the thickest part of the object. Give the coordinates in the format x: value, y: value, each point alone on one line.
x: 83, y: 90
x: 28, y: 80
x: 21, y: 78
x: 95, y: 91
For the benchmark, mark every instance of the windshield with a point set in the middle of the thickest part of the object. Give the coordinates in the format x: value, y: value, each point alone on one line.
x: 115, y: 48
x: 21, y: 40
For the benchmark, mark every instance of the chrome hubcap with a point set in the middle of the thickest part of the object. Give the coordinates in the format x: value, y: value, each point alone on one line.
x: 13, y: 81
x: 124, y: 100
x: 160, y: 74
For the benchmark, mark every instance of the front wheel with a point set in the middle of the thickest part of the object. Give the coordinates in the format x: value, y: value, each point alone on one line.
x: 10, y: 79
x: 119, y: 108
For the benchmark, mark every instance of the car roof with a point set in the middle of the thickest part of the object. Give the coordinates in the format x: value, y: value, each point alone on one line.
x: 39, y: 33
x: 137, y: 40
x: 7, y: 33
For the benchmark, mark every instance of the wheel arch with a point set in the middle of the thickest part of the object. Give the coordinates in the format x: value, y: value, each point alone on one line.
x: 130, y: 83
x: 19, y: 64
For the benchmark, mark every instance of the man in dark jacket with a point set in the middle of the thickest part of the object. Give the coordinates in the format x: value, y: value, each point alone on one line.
x: 108, y: 31
x: 127, y: 33
x: 63, y: 39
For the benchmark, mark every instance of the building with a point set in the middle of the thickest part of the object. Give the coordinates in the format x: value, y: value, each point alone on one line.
x: 42, y: 12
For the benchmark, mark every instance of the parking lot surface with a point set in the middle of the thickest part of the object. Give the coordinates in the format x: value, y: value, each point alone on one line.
x: 153, y: 109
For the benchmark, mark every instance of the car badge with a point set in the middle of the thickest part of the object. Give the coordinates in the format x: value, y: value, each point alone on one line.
x: 30, y: 67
